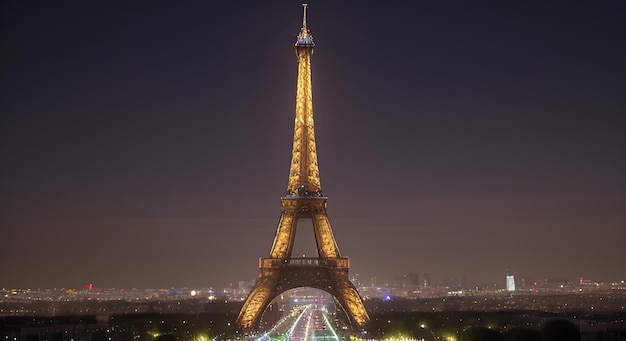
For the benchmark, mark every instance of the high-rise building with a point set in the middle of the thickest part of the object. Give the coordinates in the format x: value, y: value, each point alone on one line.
x: 510, y: 283
x: 411, y: 281
x: 427, y: 282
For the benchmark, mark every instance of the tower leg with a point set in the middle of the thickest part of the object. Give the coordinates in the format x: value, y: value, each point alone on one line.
x: 258, y: 299
x: 349, y: 298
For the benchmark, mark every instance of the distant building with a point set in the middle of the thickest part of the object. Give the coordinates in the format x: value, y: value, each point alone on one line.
x: 427, y: 282
x: 410, y: 281
x: 510, y: 283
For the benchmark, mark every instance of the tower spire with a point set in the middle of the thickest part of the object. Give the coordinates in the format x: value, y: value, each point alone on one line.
x: 305, y: 38
x: 304, y: 178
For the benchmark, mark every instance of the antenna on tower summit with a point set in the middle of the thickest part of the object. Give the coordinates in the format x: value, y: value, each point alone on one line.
x: 305, y: 39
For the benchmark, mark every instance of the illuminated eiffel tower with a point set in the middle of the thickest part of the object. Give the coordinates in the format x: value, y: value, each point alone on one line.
x: 304, y: 200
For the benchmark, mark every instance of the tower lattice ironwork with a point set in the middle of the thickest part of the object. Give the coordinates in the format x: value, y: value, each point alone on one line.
x: 304, y: 200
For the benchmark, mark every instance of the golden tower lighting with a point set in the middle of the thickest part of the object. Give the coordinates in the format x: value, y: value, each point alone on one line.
x: 304, y: 200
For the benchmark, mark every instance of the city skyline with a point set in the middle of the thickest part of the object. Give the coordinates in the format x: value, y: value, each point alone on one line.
x: 148, y: 144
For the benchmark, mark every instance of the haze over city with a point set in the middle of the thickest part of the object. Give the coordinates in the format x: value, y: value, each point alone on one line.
x: 147, y: 144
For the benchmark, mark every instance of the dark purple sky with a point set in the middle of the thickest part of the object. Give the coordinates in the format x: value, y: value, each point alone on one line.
x: 147, y: 143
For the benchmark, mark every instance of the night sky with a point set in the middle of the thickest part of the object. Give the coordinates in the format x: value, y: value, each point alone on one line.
x: 147, y: 143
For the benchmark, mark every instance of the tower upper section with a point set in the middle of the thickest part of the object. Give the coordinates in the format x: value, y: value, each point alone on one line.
x: 304, y: 178
x: 305, y: 39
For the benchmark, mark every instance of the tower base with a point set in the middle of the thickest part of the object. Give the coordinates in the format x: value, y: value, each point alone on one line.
x: 279, y: 275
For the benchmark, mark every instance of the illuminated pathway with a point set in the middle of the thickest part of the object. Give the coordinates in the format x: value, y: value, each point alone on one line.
x: 306, y: 323
x: 281, y: 328
x: 312, y: 325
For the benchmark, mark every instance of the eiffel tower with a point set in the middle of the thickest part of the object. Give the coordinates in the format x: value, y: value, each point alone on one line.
x: 304, y: 200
